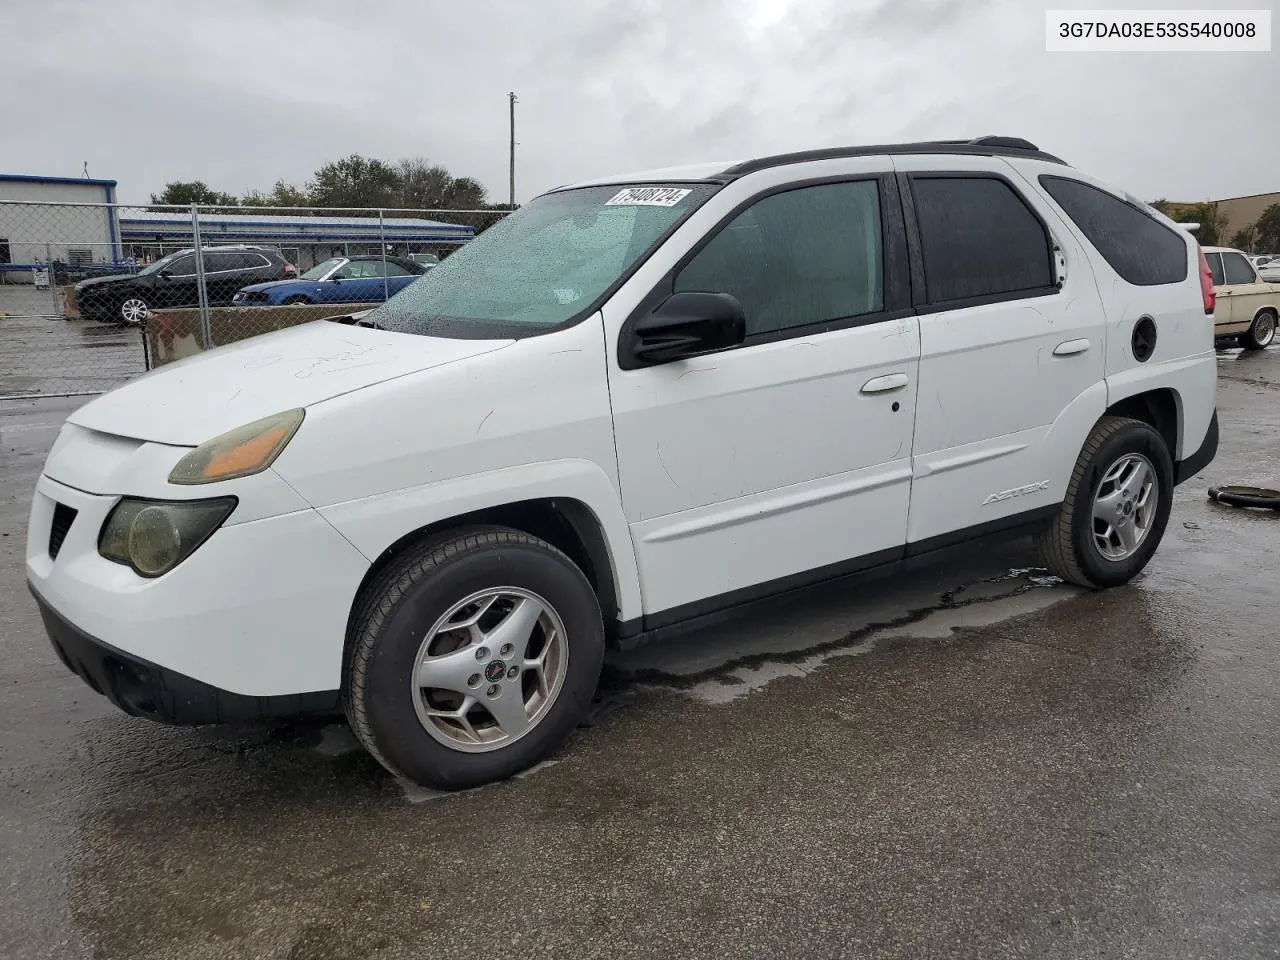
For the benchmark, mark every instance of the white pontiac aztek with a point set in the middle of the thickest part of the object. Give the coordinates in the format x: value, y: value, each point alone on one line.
x: 633, y: 403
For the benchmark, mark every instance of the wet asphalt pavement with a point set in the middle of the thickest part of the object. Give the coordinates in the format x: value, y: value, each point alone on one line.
x: 971, y: 761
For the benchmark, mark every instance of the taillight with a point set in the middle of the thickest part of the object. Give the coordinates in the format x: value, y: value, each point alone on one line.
x: 290, y: 270
x: 1206, y: 285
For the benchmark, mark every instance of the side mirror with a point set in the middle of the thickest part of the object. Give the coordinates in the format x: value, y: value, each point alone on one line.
x: 687, y: 324
x: 335, y: 279
x: 165, y: 274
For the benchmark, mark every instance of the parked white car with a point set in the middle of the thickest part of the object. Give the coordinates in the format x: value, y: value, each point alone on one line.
x: 634, y: 403
x: 1269, y: 271
x: 1247, y: 304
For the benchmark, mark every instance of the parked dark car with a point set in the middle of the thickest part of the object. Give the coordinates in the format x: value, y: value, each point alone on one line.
x: 365, y: 279
x: 171, y: 282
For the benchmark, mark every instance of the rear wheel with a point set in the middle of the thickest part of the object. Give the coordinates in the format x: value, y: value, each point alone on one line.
x: 472, y: 657
x: 1116, y: 509
x: 1261, y: 332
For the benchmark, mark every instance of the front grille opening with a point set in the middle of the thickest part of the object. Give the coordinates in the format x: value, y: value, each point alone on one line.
x: 63, y: 517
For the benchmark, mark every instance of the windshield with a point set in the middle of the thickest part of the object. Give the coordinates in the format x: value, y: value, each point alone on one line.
x: 542, y: 265
x: 320, y: 269
x: 162, y: 263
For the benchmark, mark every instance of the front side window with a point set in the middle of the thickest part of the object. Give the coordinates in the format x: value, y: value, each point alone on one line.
x: 542, y: 265
x: 979, y: 239
x: 171, y: 263
x: 1137, y: 246
x: 1237, y: 268
x: 809, y: 255
x: 181, y: 266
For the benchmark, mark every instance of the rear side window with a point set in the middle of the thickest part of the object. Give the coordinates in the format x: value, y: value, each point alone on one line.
x: 979, y: 239
x: 1237, y: 268
x: 1215, y: 268
x: 1142, y: 250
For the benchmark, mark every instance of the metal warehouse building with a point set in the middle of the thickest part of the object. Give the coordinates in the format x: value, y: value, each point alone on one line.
x: 47, y: 219
x: 305, y: 240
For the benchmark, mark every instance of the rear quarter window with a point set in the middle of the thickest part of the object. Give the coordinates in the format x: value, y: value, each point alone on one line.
x: 1139, y: 248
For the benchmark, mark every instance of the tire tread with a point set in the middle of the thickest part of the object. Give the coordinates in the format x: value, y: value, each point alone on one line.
x: 381, y: 596
x: 1054, y: 541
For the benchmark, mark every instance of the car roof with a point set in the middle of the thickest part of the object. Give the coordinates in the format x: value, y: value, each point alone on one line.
x: 722, y: 172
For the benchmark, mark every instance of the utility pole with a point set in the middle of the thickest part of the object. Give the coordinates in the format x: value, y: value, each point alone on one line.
x: 512, y: 98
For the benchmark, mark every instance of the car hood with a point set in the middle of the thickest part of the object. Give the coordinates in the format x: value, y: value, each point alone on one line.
x: 193, y: 400
x: 277, y: 283
x: 102, y: 281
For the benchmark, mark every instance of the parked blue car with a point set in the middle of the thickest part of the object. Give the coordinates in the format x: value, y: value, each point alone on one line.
x: 337, y: 280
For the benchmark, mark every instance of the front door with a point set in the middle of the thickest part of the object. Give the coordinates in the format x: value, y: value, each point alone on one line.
x: 1007, y: 355
x: 747, y: 470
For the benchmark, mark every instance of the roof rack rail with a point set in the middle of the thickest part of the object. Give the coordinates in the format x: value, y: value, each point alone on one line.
x: 1009, y: 143
x: 981, y: 146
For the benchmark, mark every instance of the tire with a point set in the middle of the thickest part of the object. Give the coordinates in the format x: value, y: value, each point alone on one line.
x: 399, y: 625
x: 1261, y: 332
x: 133, y: 310
x: 1071, y: 545
x: 296, y: 300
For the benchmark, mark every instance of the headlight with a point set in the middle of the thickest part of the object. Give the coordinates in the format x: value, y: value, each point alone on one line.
x: 241, y: 452
x: 155, y: 536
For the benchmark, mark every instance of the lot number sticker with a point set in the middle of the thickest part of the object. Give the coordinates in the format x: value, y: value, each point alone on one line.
x: 648, y: 197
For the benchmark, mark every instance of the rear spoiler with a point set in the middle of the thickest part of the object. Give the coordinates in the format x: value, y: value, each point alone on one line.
x: 1190, y: 227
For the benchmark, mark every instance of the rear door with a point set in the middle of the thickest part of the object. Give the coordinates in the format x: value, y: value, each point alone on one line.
x: 1011, y: 345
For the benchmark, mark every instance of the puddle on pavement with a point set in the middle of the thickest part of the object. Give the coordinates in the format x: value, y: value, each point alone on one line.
x: 1017, y: 591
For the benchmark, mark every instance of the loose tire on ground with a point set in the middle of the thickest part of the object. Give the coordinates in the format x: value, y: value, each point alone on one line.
x: 1071, y: 544
x: 1261, y: 333
x: 392, y: 630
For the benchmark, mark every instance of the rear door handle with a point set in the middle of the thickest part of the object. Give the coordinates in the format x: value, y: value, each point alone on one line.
x: 1070, y: 348
x: 891, y: 381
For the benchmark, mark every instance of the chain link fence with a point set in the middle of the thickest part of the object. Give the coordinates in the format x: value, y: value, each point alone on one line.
x: 94, y: 294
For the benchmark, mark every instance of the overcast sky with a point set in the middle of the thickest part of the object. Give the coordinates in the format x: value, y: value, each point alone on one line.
x: 240, y: 93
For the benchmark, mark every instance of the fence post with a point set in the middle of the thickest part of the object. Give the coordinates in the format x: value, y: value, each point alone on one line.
x: 53, y: 279
x: 206, y: 328
x: 382, y: 237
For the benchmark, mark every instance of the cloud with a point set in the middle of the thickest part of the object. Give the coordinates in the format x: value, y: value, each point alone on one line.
x: 242, y: 93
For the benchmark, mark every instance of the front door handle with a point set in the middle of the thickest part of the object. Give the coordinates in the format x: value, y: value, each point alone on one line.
x: 891, y: 381
x: 1070, y: 348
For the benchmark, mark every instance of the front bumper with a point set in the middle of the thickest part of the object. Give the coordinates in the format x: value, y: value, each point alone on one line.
x: 144, y: 689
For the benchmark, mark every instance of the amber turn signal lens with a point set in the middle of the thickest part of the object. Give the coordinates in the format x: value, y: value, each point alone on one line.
x: 241, y: 452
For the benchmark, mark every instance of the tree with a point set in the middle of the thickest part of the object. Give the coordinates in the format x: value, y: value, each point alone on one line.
x: 1267, y: 229
x: 425, y: 186
x: 186, y: 192
x: 1244, y: 238
x: 1213, y: 223
x: 355, y: 181
x: 282, y: 195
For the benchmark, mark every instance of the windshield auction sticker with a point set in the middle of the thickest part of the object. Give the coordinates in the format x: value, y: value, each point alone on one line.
x: 648, y: 197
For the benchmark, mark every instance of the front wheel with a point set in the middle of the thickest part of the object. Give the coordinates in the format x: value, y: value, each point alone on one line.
x: 1260, y: 333
x: 1116, y: 508
x: 472, y: 657
x: 133, y: 310
x: 296, y: 301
